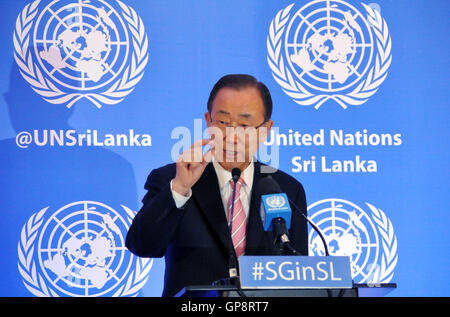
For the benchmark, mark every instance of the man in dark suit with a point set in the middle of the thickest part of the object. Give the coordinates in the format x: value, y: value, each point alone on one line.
x: 187, y: 209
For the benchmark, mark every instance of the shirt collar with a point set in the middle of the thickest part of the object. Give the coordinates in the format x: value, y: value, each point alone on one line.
x: 224, y: 176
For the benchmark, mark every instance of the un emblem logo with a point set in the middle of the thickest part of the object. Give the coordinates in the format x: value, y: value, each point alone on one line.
x: 276, y: 201
x: 69, y: 50
x: 79, y: 250
x: 328, y: 50
x: 368, y: 238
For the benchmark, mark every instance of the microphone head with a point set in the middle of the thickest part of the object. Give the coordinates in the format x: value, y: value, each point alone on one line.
x: 275, y: 207
x: 274, y: 203
x: 267, y: 185
x: 235, y: 174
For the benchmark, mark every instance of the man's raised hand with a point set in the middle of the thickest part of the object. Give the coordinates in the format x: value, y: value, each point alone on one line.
x: 190, y: 166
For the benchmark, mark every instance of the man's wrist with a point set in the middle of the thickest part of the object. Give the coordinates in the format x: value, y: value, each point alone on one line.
x: 179, y: 199
x: 180, y: 189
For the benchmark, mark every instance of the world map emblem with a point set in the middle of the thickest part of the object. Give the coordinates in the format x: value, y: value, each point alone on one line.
x: 69, y: 50
x: 79, y: 250
x: 276, y: 201
x: 328, y: 50
x: 365, y: 235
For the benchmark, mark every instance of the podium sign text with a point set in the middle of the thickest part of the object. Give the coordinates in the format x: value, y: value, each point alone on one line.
x: 295, y: 272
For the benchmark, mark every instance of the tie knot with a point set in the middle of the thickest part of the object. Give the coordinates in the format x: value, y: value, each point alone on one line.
x: 239, y: 183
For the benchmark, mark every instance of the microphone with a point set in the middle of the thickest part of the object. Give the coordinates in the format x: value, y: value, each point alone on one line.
x: 232, y: 261
x: 313, y: 225
x: 269, y: 183
x: 276, y: 213
x: 235, y: 174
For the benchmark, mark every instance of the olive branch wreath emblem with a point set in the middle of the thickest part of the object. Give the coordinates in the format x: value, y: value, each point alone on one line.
x: 37, y: 285
x: 385, y: 270
x: 360, y: 94
x: 115, y: 94
x: 382, y: 271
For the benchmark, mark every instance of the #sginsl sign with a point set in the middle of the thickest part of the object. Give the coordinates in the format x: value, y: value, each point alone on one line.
x: 295, y: 272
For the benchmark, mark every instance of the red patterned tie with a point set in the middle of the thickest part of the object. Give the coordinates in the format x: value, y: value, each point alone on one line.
x: 239, y: 224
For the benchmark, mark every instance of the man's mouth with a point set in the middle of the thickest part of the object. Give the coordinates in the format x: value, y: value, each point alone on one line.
x: 233, y: 156
x: 231, y: 153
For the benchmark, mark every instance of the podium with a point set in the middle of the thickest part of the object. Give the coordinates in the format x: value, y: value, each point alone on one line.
x: 358, y: 290
x: 291, y: 276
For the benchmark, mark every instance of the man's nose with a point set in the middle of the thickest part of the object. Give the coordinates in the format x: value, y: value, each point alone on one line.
x: 234, y: 134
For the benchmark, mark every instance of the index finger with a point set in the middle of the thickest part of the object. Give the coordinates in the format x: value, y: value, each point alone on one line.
x: 200, y: 143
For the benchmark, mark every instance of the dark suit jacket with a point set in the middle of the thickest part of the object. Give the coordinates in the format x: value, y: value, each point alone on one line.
x: 195, y: 239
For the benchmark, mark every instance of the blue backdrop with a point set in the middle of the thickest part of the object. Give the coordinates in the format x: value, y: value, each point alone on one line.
x: 93, y: 90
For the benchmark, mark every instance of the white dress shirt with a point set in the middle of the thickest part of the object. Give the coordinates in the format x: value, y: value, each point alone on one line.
x: 224, y: 177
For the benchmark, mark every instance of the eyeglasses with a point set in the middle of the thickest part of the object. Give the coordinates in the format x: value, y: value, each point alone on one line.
x: 226, y: 124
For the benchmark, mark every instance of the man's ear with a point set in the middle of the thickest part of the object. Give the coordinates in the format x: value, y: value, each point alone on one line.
x: 269, y: 125
x: 266, y: 128
x: 208, y: 119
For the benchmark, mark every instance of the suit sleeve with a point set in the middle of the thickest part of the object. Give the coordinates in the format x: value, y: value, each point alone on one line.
x: 155, y: 224
x: 299, y: 226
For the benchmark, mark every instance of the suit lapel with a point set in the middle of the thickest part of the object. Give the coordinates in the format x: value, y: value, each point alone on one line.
x: 255, y: 228
x: 206, y: 193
